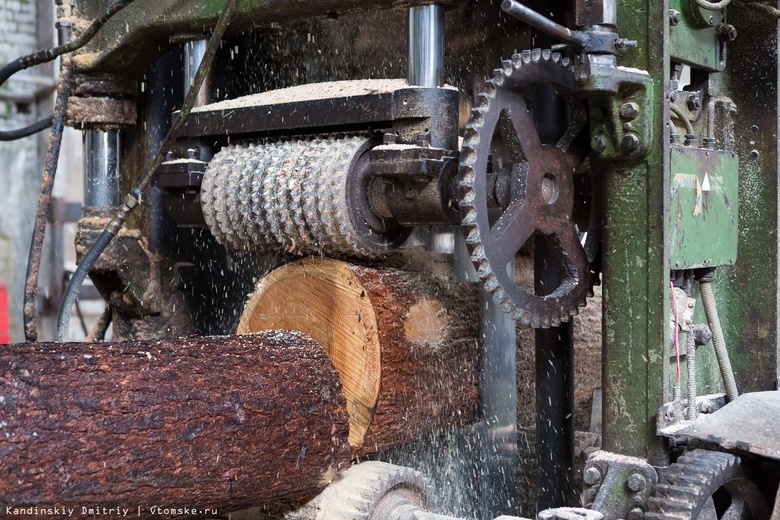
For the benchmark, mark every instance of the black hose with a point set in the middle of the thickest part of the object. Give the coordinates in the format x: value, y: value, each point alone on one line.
x: 13, y: 135
x: 47, y: 55
x: 134, y: 197
x: 71, y: 294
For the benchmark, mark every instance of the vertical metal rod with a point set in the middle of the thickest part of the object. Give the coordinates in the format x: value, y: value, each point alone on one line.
x: 101, y: 168
x: 426, y: 45
x: 554, y: 396
x: 554, y: 348
x: 193, y: 55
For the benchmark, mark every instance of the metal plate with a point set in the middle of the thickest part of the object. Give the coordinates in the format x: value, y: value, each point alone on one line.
x: 435, y: 108
x: 749, y: 424
x: 695, y: 40
x: 704, y: 208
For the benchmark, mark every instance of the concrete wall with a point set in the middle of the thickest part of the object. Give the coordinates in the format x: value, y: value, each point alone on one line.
x: 26, y: 26
x: 20, y: 162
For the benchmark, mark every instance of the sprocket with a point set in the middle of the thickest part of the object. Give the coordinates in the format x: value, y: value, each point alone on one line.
x: 707, y: 485
x: 515, y: 185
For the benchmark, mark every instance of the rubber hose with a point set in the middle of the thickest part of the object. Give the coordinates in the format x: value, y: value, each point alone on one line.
x: 72, y: 291
x: 13, y: 135
x: 711, y: 310
x: 685, y: 121
x: 690, y: 365
x: 712, y: 6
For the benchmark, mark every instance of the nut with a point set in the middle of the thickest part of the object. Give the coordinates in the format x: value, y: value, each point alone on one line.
x: 636, y: 483
x: 592, y: 476
x: 694, y: 102
x: 629, y: 110
x: 629, y: 143
x: 599, y: 143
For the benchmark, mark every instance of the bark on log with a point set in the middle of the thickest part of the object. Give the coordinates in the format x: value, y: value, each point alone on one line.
x: 405, y: 343
x: 220, y: 422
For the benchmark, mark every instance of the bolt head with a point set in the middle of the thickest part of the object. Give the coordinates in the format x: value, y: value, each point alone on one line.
x: 592, y: 476
x: 636, y: 483
x: 694, y: 103
x: 599, y: 143
x: 629, y: 110
x: 629, y: 143
x: 727, y: 33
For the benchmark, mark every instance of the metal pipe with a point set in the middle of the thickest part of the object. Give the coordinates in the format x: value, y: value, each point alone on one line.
x: 193, y: 55
x: 426, y: 45
x: 543, y: 24
x: 711, y: 310
x: 101, y: 168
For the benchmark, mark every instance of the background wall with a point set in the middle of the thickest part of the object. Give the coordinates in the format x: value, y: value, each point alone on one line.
x: 26, y: 26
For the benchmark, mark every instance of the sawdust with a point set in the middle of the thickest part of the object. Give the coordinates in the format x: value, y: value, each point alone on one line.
x: 311, y: 92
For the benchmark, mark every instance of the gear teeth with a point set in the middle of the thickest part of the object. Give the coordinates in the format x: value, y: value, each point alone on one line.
x: 523, y: 69
x: 690, y: 482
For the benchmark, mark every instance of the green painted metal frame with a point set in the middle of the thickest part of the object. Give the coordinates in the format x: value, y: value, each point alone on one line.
x: 639, y: 365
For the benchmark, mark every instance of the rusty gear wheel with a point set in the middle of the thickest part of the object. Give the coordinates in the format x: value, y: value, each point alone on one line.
x: 707, y: 485
x: 514, y: 185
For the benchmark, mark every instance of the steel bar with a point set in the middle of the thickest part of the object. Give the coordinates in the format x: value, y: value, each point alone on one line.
x: 426, y: 45
x: 101, y: 168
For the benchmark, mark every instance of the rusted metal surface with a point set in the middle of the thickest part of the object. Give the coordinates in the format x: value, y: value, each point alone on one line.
x: 749, y: 424
x: 204, y: 422
x: 504, y: 153
x: 156, y: 25
x: 104, y: 113
x: 42, y: 212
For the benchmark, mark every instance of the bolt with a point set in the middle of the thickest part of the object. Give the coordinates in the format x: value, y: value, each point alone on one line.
x: 674, y: 17
x: 629, y: 143
x: 727, y: 32
x: 622, y: 44
x: 636, y: 514
x: 629, y: 110
x: 701, y: 334
x: 673, y: 96
x: 694, y: 102
x: 592, y: 476
x: 636, y: 483
x: 754, y: 154
x: 389, y: 138
x: 599, y: 144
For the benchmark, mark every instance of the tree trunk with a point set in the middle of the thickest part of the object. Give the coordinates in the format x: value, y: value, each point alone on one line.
x: 404, y: 343
x: 220, y: 423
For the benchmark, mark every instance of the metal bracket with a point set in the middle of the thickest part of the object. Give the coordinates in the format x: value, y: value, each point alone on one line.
x: 620, y: 107
x: 618, y: 486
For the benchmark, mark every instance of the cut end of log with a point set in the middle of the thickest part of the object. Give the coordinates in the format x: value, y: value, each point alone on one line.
x: 325, y: 300
x: 404, y: 342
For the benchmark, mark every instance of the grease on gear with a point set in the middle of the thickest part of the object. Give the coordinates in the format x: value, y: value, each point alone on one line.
x: 505, y: 166
x: 305, y: 196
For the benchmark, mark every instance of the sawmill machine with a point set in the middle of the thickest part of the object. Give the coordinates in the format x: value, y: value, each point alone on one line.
x: 627, y: 143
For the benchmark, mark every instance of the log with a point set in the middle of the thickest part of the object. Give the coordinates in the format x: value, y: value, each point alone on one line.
x: 404, y: 343
x: 213, y: 423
